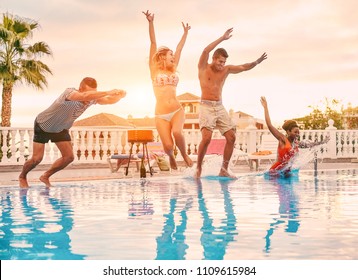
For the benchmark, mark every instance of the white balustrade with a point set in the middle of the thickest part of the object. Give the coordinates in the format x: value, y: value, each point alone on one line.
x: 93, y: 145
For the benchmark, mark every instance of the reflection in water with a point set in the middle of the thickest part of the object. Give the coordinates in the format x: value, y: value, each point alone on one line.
x: 171, y: 245
x: 216, y: 239
x: 29, y: 233
x: 142, y: 206
x: 288, y: 208
x: 179, y: 218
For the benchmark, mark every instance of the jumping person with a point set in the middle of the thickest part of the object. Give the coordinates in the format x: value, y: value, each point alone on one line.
x: 54, y: 124
x: 169, y: 114
x: 212, y: 113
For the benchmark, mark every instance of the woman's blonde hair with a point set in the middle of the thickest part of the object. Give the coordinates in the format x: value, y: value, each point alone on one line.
x: 159, y: 58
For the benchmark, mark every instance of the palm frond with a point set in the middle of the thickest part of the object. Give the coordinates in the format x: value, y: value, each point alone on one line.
x: 40, y: 48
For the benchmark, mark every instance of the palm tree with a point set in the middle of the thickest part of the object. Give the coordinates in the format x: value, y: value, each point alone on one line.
x: 19, y: 61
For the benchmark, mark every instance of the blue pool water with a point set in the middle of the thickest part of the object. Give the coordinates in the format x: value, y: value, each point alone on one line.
x: 254, y: 218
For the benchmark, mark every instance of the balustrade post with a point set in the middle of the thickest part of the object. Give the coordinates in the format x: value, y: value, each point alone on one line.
x: 4, y: 147
x: 197, y: 139
x: 22, y: 146
x: 354, y: 139
x: 83, y: 155
x: 123, y: 142
x: 332, y: 144
x: 13, y: 147
x: 47, y: 153
x: 105, y: 147
x: 30, y: 132
x: 251, y: 141
x: 113, y: 148
x: 90, y: 146
x: 188, y: 140
x: 74, y: 136
x: 96, y: 148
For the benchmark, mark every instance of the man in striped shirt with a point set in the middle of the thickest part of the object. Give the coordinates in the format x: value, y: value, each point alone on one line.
x: 54, y: 124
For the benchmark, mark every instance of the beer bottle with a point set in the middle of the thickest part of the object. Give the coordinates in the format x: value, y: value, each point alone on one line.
x: 143, y: 171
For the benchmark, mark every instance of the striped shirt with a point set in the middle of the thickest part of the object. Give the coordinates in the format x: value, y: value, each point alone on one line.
x: 62, y: 113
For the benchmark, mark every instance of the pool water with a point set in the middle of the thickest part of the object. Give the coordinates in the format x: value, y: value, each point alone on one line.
x: 175, y: 218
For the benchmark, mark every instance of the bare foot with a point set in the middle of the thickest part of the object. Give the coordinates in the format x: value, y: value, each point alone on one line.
x: 197, y: 174
x: 173, y: 163
x: 23, y: 182
x: 46, y: 181
x: 188, y: 161
x: 225, y: 173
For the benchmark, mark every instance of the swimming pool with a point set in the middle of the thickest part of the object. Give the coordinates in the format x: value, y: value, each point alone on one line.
x: 252, y: 218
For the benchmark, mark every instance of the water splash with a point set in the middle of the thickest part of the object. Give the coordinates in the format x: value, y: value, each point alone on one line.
x: 304, y: 157
x: 212, y: 164
x: 301, y: 159
x: 210, y: 168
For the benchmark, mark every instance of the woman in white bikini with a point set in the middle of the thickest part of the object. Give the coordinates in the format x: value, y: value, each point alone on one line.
x: 169, y: 115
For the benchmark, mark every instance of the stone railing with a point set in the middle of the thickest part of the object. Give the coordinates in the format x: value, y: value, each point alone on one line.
x: 93, y: 145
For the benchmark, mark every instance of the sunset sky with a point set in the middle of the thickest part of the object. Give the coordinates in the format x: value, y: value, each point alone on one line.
x: 311, y: 45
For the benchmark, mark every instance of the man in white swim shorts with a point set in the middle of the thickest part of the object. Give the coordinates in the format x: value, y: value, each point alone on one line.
x: 212, y: 113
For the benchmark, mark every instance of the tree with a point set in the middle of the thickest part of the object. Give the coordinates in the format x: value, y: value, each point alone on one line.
x: 350, y: 117
x: 318, y: 119
x: 19, y: 60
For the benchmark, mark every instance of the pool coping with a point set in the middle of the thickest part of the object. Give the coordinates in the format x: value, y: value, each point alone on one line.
x: 9, y: 176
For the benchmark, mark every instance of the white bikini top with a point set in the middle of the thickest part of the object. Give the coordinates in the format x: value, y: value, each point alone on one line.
x: 163, y: 79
